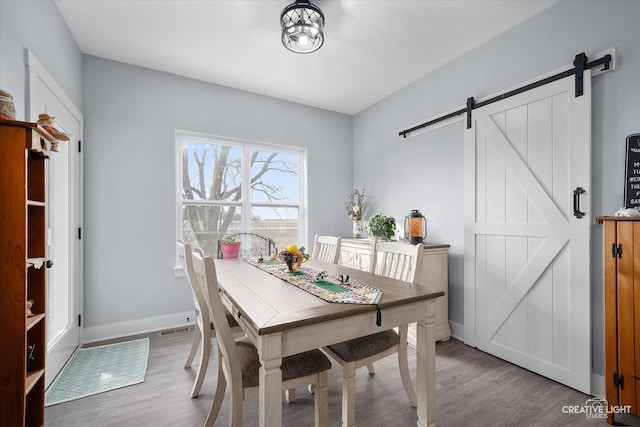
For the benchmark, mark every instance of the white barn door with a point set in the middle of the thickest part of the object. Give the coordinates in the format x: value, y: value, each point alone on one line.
x: 526, y: 263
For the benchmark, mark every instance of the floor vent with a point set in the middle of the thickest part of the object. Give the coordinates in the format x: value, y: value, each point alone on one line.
x: 175, y: 331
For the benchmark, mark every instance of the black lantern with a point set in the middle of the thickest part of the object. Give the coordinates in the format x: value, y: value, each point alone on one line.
x: 415, y: 227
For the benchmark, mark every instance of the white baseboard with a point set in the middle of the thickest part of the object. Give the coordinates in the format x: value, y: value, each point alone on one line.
x: 134, y: 327
x: 597, y: 385
x: 457, y: 330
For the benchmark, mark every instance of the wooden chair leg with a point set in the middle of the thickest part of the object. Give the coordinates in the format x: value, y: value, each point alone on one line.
x: 321, y: 399
x: 195, y: 343
x: 235, y: 403
x: 370, y: 368
x: 349, y: 395
x: 218, y: 397
x: 404, y: 367
x: 204, y: 360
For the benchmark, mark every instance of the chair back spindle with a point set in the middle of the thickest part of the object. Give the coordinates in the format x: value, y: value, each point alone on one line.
x: 397, y: 260
x: 326, y: 248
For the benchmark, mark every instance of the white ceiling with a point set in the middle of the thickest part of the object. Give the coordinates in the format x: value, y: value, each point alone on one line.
x: 372, y: 47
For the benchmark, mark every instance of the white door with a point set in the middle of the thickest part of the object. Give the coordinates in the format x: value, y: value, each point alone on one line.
x: 64, y: 218
x: 526, y: 263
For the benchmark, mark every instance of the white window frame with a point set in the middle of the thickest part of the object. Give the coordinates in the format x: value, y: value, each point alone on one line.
x: 244, y: 203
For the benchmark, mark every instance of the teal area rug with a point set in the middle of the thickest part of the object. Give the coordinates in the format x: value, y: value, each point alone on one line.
x: 95, y: 370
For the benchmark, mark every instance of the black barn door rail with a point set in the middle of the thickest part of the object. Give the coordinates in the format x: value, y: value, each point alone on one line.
x: 580, y: 64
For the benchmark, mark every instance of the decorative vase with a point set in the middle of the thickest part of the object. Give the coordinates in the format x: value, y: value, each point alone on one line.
x: 230, y: 250
x: 290, y: 266
x: 357, y: 229
x: 292, y: 261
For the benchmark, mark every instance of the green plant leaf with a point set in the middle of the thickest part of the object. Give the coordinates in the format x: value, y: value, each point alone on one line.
x: 381, y: 224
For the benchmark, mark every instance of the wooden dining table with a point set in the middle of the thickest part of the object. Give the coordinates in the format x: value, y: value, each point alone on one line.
x: 282, y: 319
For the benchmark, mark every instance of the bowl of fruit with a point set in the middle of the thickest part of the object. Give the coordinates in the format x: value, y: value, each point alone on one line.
x: 292, y: 256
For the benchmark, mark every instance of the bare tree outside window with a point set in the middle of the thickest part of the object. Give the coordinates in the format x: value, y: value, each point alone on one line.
x: 218, y: 199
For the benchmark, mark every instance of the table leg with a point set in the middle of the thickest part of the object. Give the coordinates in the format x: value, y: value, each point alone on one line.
x: 426, y: 368
x: 270, y: 389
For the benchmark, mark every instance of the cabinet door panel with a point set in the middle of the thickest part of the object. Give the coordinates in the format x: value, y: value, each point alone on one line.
x: 626, y: 348
x: 610, y: 310
x: 348, y: 257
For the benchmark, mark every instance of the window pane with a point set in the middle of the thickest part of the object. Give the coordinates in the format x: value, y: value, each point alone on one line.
x: 278, y: 223
x: 235, y: 187
x: 274, y: 177
x: 203, y: 225
x: 210, y: 171
x: 254, y: 245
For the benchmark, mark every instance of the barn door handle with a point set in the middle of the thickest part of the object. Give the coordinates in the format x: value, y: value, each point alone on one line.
x: 576, y: 202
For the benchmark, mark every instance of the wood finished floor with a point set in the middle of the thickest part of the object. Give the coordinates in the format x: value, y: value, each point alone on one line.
x: 473, y: 389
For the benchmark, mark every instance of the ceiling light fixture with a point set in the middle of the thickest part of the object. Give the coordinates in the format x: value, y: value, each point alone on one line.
x: 302, y: 27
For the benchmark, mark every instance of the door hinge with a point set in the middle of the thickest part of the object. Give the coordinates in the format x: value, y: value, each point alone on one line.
x: 618, y: 381
x: 79, y: 233
x: 616, y: 250
x: 79, y: 146
x: 79, y: 320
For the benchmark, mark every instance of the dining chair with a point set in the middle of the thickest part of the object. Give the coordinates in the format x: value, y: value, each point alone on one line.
x: 396, y: 260
x: 239, y: 363
x: 204, y: 330
x: 326, y: 248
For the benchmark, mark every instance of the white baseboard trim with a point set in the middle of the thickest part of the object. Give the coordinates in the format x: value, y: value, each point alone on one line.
x: 138, y: 326
x: 597, y: 385
x: 457, y: 330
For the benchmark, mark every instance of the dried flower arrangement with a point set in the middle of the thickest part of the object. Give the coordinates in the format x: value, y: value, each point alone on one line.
x: 356, y: 204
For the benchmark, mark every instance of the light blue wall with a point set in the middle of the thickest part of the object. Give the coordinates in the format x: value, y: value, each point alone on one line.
x: 131, y: 115
x: 38, y: 26
x: 426, y: 172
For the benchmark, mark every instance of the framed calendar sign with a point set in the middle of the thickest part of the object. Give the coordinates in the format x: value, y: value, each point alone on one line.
x: 632, y: 175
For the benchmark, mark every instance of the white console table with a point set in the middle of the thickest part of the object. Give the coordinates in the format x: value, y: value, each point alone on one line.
x: 356, y: 253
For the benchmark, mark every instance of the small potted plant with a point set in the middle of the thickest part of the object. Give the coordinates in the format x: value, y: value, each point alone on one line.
x: 381, y: 226
x: 229, y: 247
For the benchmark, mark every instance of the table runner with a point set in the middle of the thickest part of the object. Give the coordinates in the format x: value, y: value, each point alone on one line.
x: 329, y: 289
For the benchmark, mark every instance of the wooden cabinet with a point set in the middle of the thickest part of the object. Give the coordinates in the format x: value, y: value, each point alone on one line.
x: 621, y: 242
x: 356, y: 253
x: 23, y: 151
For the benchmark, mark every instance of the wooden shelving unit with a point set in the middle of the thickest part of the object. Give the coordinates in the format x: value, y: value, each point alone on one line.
x: 23, y: 222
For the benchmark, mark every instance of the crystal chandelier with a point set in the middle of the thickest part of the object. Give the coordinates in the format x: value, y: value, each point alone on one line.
x: 302, y: 27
